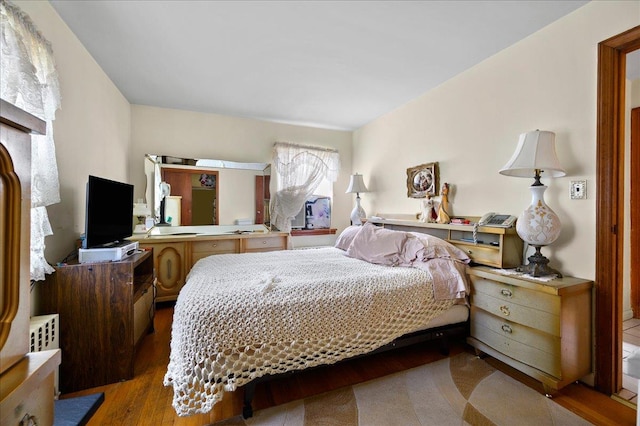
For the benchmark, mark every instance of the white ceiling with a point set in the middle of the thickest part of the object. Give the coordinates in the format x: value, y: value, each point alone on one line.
x: 332, y: 64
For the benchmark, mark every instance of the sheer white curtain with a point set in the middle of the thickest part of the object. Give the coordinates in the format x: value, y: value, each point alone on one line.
x: 299, y: 170
x: 29, y: 81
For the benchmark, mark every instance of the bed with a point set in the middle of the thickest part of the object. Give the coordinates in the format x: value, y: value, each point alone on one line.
x: 243, y: 317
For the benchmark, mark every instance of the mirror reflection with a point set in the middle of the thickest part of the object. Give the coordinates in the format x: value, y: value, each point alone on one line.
x: 186, y: 191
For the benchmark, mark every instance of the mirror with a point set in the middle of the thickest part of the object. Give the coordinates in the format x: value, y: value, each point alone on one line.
x: 207, y: 191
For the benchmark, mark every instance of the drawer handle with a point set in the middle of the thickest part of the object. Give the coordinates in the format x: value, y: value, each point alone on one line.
x: 506, y: 328
x: 264, y: 242
x: 28, y: 420
x: 505, y: 310
x: 469, y: 252
x: 506, y: 292
x: 214, y: 245
x: 169, y: 269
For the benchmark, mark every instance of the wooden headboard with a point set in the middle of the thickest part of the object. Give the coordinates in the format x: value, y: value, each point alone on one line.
x: 496, y: 247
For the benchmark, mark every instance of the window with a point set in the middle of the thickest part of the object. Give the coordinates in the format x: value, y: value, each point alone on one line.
x: 299, y: 172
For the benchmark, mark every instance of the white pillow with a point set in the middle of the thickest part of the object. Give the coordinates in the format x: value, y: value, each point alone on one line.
x: 378, y: 245
x: 346, y: 237
x: 437, y: 248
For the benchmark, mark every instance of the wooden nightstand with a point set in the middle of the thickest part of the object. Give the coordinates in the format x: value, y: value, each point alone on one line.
x: 540, y: 328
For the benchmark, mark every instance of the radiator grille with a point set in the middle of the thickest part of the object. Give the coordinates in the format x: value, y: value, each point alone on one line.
x: 44, y: 333
x: 44, y: 336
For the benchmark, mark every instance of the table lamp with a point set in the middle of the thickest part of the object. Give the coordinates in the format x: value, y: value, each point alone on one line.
x: 141, y: 211
x: 538, y: 225
x: 356, y: 184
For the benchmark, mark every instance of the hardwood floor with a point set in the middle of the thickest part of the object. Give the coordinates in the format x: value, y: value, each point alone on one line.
x: 145, y: 401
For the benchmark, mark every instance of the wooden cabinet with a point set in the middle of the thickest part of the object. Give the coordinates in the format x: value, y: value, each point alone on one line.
x: 105, y: 310
x: 26, y: 391
x: 497, y: 247
x: 175, y: 255
x: 26, y: 379
x: 541, y: 328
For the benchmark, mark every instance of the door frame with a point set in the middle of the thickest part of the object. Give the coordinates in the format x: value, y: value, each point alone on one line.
x: 610, y: 208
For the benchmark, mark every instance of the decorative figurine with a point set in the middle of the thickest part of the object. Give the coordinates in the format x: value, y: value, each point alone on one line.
x: 428, y: 213
x: 443, y: 210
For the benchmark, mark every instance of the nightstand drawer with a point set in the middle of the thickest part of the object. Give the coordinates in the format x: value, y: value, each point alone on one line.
x: 485, y: 255
x: 520, y: 333
x: 526, y: 315
x: 518, y: 342
x: 521, y: 296
x: 216, y: 246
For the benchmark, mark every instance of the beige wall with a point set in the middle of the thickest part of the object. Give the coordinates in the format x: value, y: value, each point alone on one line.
x: 198, y: 135
x: 471, y: 124
x: 91, y: 130
x: 98, y: 132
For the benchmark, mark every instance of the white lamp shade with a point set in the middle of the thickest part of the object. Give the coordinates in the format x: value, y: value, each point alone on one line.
x: 536, y: 150
x: 356, y: 184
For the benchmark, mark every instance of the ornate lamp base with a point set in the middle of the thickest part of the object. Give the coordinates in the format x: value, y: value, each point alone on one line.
x: 358, y: 213
x: 538, y: 265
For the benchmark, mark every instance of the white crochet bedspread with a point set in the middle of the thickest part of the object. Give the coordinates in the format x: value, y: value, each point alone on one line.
x: 240, y: 317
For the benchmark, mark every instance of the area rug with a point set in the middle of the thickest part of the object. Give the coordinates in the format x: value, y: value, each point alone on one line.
x: 461, y: 390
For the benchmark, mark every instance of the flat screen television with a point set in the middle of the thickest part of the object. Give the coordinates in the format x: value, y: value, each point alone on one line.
x: 109, y: 212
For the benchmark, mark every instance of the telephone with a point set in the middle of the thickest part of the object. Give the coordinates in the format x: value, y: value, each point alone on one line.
x: 497, y: 220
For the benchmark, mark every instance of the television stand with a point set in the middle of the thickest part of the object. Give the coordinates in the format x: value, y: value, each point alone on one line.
x: 105, y: 310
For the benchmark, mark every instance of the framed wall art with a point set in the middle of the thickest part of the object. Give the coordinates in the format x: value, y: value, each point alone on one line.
x: 423, y: 180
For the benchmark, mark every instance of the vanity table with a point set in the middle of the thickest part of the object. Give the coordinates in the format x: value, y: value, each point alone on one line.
x: 177, y: 248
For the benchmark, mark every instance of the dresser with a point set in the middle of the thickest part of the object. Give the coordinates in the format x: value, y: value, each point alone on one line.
x: 26, y: 379
x: 174, y: 255
x: 540, y: 328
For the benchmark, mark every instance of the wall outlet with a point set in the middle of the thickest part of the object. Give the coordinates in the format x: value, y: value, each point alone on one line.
x: 578, y: 189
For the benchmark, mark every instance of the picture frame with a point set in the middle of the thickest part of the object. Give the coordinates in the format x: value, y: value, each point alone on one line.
x: 423, y: 180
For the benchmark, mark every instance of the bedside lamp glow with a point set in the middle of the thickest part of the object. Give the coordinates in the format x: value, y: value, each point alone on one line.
x: 356, y: 185
x: 538, y: 225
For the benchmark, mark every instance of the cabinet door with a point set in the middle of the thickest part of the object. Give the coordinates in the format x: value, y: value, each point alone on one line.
x: 170, y: 269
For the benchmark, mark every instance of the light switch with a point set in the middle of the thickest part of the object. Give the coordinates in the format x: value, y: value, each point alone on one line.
x: 578, y: 189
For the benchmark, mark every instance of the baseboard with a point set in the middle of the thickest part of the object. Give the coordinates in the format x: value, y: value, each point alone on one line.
x: 627, y: 314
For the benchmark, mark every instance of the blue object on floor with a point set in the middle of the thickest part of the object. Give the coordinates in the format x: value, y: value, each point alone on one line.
x: 76, y: 411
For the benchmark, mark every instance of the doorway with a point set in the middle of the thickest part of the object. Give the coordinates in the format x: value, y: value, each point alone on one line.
x: 610, y: 208
x: 199, y: 190
x: 634, y: 205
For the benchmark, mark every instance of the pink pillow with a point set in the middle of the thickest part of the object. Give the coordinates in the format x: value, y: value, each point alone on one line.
x: 435, y: 248
x: 378, y: 245
x: 346, y: 237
